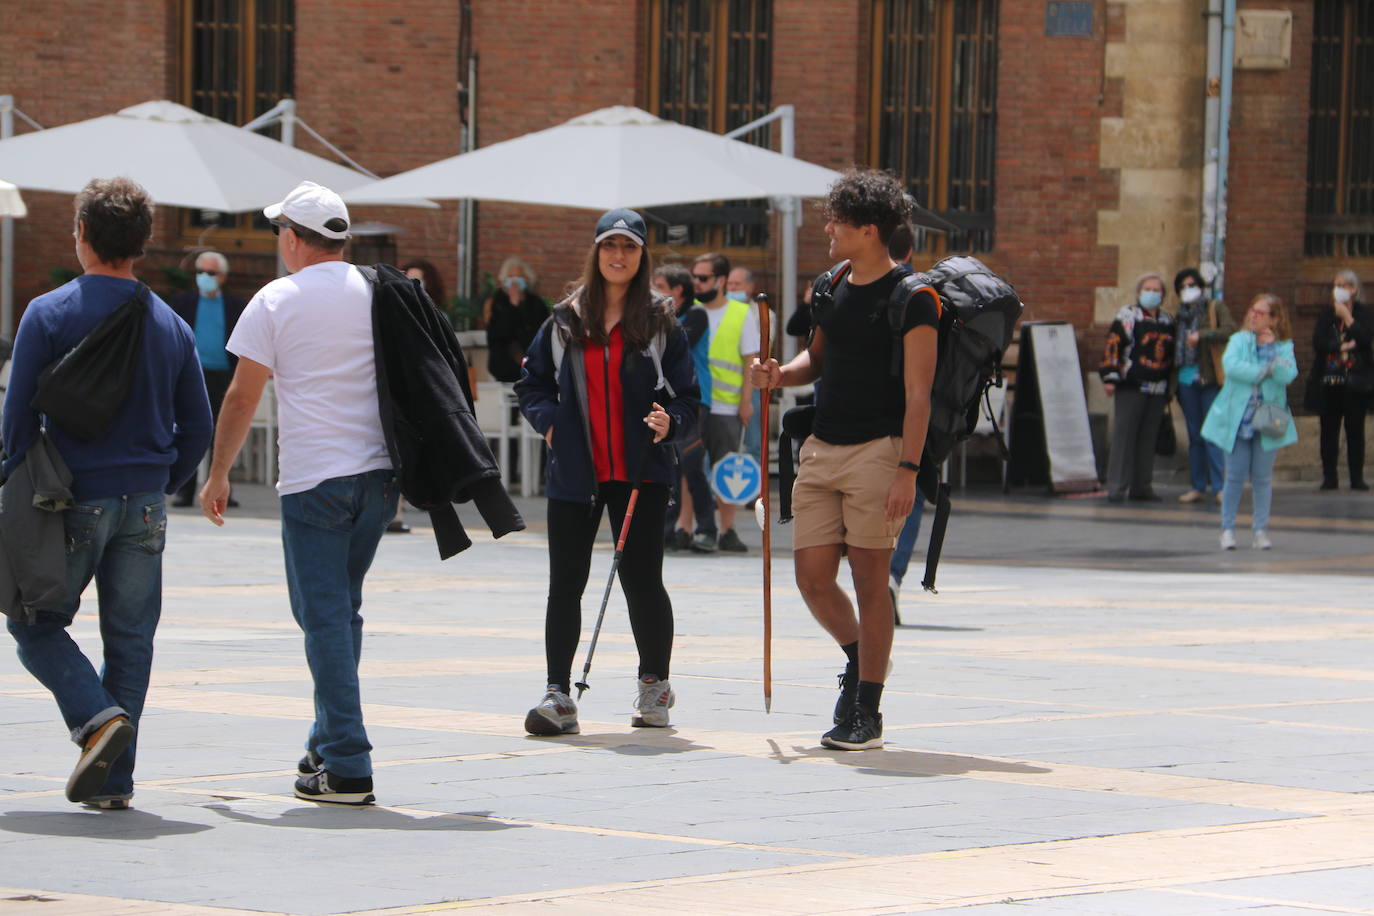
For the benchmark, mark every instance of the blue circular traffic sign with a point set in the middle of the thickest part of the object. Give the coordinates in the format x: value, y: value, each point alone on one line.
x: 736, y: 478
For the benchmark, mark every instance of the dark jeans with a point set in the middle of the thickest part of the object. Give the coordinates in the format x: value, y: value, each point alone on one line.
x: 216, y: 384
x: 1135, y: 428
x: 1206, y: 470
x: 691, y: 459
x: 118, y: 541
x: 1340, y: 406
x: 329, y: 535
x: 572, y: 532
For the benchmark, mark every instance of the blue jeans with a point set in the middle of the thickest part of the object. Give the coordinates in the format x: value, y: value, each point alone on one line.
x: 1205, y: 460
x: 117, y: 541
x: 906, y: 541
x: 1248, y: 459
x: 329, y: 534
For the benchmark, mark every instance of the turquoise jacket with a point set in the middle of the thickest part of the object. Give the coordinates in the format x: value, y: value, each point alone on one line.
x: 1244, y: 370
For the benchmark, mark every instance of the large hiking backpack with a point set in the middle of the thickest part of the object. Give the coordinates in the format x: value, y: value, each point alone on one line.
x: 978, y: 314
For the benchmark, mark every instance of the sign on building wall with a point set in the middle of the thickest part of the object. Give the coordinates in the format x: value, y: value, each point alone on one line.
x: 1069, y: 19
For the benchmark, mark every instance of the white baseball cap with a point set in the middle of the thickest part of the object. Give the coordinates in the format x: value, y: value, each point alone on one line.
x: 314, y: 207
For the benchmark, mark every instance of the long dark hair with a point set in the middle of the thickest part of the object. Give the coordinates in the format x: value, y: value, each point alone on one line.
x: 645, y: 316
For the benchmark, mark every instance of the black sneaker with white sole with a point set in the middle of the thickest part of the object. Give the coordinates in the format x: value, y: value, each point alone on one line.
x: 324, y: 786
x: 849, y: 693
x: 861, y: 731
x: 310, y: 763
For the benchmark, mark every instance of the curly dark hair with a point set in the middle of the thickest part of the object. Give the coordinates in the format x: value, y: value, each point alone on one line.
x: 869, y: 197
x: 118, y: 216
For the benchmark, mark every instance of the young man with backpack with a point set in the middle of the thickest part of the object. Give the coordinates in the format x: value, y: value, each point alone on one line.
x: 857, y: 480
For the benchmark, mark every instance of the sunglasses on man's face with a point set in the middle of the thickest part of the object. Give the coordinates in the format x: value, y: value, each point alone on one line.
x: 703, y: 279
x: 278, y: 227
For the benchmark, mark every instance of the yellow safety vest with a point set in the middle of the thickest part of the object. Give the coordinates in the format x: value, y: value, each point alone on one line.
x: 727, y: 368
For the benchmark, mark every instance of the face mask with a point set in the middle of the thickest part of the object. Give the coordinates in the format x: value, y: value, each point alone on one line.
x: 737, y: 295
x: 1191, y: 294
x: 708, y: 296
x: 1150, y: 299
x: 207, y: 283
x: 1340, y: 294
x: 519, y: 283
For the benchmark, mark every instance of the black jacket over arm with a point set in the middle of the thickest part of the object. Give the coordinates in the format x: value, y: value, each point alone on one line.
x: 440, y: 454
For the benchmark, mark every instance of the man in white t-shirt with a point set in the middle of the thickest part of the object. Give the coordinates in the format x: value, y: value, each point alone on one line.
x: 312, y: 333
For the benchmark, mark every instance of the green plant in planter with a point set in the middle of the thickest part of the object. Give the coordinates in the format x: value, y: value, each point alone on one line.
x: 465, y: 312
x: 61, y: 275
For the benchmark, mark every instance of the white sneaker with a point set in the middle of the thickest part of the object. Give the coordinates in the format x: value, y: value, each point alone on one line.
x: 652, y: 703
x: 1262, y: 541
x: 556, y: 714
x: 1228, y: 539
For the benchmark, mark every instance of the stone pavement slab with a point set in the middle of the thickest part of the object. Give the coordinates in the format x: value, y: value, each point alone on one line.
x: 1081, y: 727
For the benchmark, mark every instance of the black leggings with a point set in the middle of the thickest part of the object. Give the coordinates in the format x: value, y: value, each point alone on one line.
x: 1340, y: 405
x: 572, y: 532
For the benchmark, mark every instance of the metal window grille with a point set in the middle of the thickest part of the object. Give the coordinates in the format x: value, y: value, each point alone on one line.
x: 933, y: 118
x: 238, y: 59
x: 711, y: 65
x: 1340, y: 148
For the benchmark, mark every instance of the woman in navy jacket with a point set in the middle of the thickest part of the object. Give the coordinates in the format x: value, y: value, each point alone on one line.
x: 610, y: 383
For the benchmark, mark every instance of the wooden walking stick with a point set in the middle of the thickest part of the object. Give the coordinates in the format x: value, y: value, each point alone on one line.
x: 765, y: 352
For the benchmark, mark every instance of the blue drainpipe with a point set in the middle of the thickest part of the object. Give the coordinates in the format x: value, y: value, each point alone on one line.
x: 1228, y: 60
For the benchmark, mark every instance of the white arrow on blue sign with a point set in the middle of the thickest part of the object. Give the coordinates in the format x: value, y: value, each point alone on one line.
x: 736, y: 478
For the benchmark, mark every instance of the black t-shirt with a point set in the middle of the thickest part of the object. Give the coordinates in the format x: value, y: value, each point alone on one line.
x: 860, y: 399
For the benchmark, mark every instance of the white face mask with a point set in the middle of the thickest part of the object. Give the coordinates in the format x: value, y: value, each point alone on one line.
x: 1191, y: 294
x: 1340, y: 294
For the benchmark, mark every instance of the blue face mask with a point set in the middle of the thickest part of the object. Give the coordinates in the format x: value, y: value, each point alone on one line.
x: 737, y: 295
x: 208, y: 284
x: 519, y: 283
x: 1150, y: 299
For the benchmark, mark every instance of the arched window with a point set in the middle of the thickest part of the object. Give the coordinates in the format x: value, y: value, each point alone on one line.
x: 1340, y: 132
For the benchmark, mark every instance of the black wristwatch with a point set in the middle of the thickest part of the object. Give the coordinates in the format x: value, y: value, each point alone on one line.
x: 910, y: 466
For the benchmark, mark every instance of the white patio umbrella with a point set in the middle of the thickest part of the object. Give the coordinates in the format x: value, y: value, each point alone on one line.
x: 614, y: 157
x: 11, y: 204
x: 182, y: 157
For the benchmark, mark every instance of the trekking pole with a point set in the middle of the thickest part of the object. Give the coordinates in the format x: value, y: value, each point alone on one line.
x: 765, y: 352
x: 615, y: 562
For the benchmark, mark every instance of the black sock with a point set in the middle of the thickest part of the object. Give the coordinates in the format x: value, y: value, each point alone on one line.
x: 852, y: 650
x: 870, y: 695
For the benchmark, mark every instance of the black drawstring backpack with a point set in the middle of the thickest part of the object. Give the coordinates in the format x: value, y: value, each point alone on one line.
x: 84, y: 390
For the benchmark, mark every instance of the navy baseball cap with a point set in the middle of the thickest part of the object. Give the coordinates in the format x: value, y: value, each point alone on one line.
x: 621, y: 222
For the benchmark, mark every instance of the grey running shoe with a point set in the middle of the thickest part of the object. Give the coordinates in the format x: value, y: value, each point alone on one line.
x: 310, y: 763
x: 326, y: 787
x: 730, y: 542
x: 862, y: 731
x: 704, y: 542
x: 109, y: 802
x: 556, y: 714
x: 654, y: 700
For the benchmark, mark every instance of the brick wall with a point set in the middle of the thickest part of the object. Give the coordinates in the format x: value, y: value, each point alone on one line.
x: 49, y: 62
x: 1051, y: 99
x: 1267, y: 194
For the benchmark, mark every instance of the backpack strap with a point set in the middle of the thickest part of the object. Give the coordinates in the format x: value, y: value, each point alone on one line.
x: 907, y: 288
x: 823, y: 293
x: 655, y: 351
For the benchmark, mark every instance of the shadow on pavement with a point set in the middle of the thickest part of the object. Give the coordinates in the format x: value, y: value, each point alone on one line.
x: 97, y: 825
x: 346, y: 817
x: 890, y: 762
x: 650, y: 742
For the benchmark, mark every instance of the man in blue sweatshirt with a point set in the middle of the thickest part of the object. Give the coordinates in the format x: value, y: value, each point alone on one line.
x: 117, y: 527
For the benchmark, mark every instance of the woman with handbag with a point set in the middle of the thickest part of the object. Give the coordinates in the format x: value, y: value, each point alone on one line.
x: 1342, y: 378
x: 1249, y: 420
x: 1204, y: 326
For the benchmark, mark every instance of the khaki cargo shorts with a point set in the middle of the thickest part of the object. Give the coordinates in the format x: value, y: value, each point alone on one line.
x: 840, y: 495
